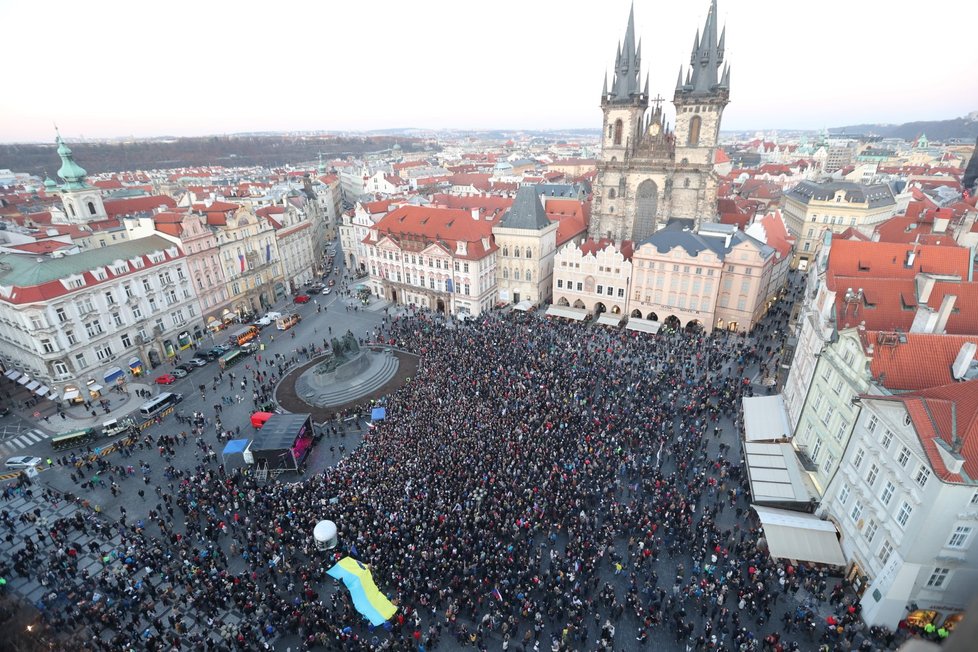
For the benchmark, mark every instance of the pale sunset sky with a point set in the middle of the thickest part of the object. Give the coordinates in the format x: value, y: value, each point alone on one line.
x: 110, y: 68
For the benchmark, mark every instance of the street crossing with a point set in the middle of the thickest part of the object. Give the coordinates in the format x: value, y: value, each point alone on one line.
x: 28, y: 438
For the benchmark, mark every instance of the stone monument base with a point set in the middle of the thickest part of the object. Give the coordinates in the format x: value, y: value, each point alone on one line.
x: 364, y: 373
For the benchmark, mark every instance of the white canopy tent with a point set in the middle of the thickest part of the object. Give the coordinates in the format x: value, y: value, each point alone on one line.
x: 577, y: 314
x: 765, y: 418
x: 524, y: 305
x: 643, y: 325
x: 776, y: 474
x: 800, y: 536
x: 606, y: 319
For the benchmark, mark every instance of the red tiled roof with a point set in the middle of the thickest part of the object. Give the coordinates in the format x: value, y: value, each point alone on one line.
x: 888, y: 259
x: 491, y: 206
x: 445, y: 226
x: 923, y: 360
x: 374, y: 207
x: 948, y: 413
x: 776, y: 233
x: 720, y: 156
x: 41, y: 246
x: 571, y: 215
x: 119, y: 207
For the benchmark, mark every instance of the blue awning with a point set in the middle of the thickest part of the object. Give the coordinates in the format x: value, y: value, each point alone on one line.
x: 236, y: 446
x: 112, y: 374
x: 378, y: 414
x: 135, y: 363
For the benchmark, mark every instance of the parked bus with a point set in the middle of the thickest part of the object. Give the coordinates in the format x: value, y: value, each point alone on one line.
x: 154, y: 406
x: 74, y: 439
x: 244, y: 334
x: 287, y: 322
x: 231, y: 358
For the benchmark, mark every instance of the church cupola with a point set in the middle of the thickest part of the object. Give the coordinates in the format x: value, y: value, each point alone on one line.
x: 82, y: 201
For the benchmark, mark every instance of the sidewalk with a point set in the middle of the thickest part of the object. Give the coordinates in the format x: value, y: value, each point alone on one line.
x: 78, y: 416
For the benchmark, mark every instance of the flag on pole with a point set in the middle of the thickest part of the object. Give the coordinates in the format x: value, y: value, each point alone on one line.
x: 241, y: 259
x: 496, y: 595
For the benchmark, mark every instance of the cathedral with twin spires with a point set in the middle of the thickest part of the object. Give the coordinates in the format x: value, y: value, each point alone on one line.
x: 647, y: 172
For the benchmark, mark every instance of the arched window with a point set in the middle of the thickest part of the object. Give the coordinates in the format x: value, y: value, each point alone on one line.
x: 505, y: 251
x: 529, y: 275
x: 610, y: 131
x: 516, y: 252
x: 529, y: 253
x: 618, y: 130
x: 505, y: 272
x: 91, y: 208
x: 611, y: 194
x: 694, y: 131
x: 516, y: 274
x: 71, y: 209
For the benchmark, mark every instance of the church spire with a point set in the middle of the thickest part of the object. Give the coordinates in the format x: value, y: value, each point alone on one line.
x: 707, y: 55
x: 625, y: 84
x: 70, y: 172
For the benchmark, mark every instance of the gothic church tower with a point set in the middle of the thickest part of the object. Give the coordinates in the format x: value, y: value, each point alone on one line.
x: 648, y: 174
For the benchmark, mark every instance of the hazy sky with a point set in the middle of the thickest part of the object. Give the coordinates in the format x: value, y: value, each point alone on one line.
x: 108, y: 68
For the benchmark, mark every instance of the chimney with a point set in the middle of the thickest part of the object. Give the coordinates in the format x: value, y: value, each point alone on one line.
x: 944, y: 312
x: 963, y: 361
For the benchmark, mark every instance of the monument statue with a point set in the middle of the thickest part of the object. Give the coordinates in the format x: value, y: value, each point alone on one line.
x: 344, y: 350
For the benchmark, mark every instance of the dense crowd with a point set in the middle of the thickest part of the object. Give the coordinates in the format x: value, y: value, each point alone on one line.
x: 537, y: 485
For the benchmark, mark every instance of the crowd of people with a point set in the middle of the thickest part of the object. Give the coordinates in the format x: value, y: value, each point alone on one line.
x: 537, y: 485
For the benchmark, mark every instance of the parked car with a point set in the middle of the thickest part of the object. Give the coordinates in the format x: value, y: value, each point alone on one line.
x: 316, y: 288
x: 249, y: 347
x: 198, y: 361
x: 166, y: 379
x: 23, y: 462
x: 262, y: 322
x: 302, y: 298
x: 327, y: 290
x: 186, y: 366
x: 179, y: 373
x: 272, y: 315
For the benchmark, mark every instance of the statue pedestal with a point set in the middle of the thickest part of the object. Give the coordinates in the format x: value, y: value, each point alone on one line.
x: 364, y: 373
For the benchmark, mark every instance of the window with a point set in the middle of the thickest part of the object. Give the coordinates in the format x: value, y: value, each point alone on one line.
x: 938, y: 578
x: 816, y: 450
x: 126, y: 341
x: 960, y: 537
x: 856, y: 512
x: 80, y: 361
x: 874, y: 472
x: 560, y: 283
x: 117, y: 318
x: 60, y: 368
x: 136, y: 312
x: 818, y: 402
x: 858, y: 459
x: 60, y: 312
x: 152, y: 305
x: 841, y: 432
x: 904, y: 514
x: 904, y: 456
x: 844, y: 494
x: 93, y: 328
x: 146, y: 285
x: 873, y: 422
x: 829, y: 412
x: 871, y: 531
x: 70, y: 335
x: 109, y: 298
x: 600, y: 289
x: 886, y: 439
x: 885, y: 551
x: 887, y: 494
x: 923, y: 474
x: 47, y: 346
x: 128, y: 290
x: 974, y: 498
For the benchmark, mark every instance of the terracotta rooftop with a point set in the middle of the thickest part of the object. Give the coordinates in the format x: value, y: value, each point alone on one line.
x: 913, y: 361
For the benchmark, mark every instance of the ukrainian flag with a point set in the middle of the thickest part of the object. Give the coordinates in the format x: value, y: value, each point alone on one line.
x: 367, y: 598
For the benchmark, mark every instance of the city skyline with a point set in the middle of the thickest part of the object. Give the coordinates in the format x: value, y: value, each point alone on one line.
x: 207, y: 69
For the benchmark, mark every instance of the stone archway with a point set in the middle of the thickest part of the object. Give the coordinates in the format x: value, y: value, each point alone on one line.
x: 646, y: 205
x: 653, y: 317
x: 615, y: 310
x: 694, y: 326
x: 637, y: 314
x: 580, y: 304
x: 440, y: 306
x: 599, y: 308
x: 672, y: 322
x: 562, y: 301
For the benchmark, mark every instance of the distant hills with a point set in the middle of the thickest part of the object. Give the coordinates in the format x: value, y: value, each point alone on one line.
x: 964, y: 128
x: 230, y: 151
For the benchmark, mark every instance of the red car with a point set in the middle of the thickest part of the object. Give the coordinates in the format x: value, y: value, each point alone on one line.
x: 166, y: 379
x: 302, y: 298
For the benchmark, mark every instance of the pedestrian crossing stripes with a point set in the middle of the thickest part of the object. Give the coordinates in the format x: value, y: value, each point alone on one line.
x: 29, y: 438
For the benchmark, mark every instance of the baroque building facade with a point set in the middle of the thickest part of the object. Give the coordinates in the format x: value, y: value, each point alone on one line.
x: 648, y: 173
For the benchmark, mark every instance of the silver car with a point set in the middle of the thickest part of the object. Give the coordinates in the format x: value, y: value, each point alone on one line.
x: 23, y: 462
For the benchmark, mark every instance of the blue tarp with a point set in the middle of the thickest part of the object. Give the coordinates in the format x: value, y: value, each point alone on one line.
x: 378, y: 414
x: 235, y: 446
